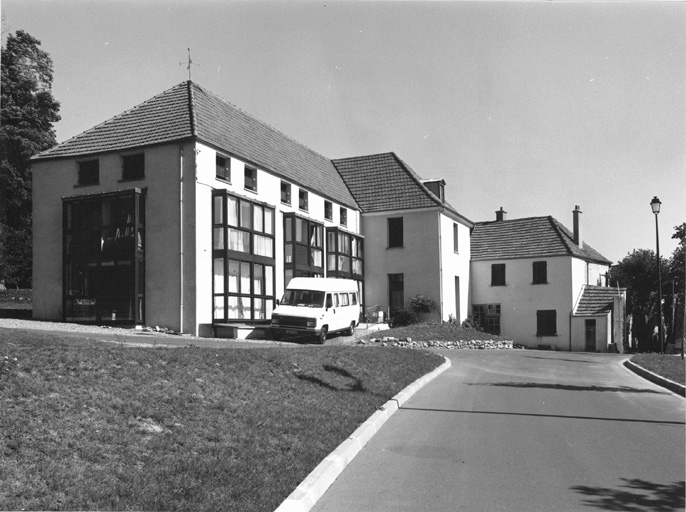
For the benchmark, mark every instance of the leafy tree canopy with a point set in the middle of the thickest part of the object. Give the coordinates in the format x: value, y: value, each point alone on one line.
x: 26, y: 128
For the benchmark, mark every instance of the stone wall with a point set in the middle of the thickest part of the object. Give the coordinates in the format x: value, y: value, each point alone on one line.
x: 466, y: 344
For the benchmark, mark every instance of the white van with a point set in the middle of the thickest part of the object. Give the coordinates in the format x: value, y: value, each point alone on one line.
x: 316, y: 306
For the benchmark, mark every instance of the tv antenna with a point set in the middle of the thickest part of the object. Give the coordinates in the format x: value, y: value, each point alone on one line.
x: 189, y: 64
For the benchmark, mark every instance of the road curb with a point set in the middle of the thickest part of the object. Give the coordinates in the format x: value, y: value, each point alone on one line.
x: 674, y: 387
x: 303, y: 498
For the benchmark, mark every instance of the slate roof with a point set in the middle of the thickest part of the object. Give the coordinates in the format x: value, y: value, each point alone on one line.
x: 383, y: 182
x: 189, y: 111
x: 531, y: 237
x: 596, y: 300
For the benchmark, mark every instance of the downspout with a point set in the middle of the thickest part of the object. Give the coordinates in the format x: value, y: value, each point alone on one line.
x: 440, y: 267
x: 181, y: 311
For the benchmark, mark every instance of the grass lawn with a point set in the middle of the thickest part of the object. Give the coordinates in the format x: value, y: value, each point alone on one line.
x: 668, y: 366
x: 95, y: 426
x: 435, y: 332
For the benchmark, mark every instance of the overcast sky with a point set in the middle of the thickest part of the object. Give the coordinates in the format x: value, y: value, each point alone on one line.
x: 535, y: 107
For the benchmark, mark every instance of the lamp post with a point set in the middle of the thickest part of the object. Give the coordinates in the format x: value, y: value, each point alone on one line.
x: 655, y: 205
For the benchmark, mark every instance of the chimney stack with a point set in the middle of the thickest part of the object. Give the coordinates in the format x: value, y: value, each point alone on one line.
x: 500, y: 215
x: 578, y: 237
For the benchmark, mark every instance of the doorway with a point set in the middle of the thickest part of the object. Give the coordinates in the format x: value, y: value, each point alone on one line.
x: 590, y: 336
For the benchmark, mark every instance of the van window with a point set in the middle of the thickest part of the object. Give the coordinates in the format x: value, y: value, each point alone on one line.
x: 335, y: 299
x: 303, y: 298
x: 329, y: 301
x: 344, y: 299
x: 353, y: 299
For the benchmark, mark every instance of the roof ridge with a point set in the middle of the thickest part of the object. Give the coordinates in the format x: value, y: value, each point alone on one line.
x: 260, y: 121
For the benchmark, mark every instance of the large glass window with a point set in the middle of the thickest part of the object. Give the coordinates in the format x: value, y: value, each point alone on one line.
x: 103, y: 258
x: 303, y: 248
x: 243, y: 258
x: 344, y: 254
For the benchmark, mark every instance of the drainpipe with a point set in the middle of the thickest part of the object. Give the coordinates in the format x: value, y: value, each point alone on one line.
x: 440, y: 267
x: 181, y: 237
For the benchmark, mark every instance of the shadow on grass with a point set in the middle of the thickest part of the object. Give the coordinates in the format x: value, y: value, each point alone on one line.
x: 569, y: 387
x: 635, y: 495
x: 354, y: 384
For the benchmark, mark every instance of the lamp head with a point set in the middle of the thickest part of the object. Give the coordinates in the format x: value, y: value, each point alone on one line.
x: 655, y: 205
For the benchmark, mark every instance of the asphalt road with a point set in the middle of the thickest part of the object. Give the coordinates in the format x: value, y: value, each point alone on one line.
x: 523, y: 431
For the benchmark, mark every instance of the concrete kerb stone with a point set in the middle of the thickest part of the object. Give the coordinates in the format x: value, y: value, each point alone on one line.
x: 674, y: 387
x: 303, y: 498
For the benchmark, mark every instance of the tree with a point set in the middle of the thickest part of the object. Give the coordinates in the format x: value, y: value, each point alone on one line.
x: 26, y: 128
x: 677, y: 271
x: 638, y: 273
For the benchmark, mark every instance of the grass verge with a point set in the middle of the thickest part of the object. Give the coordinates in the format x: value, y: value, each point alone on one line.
x: 93, y: 426
x: 668, y: 366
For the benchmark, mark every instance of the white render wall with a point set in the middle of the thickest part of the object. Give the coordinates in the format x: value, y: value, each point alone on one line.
x: 418, y: 260
x: 55, y: 179
x: 603, y: 330
x: 268, y: 192
x: 454, y: 264
x: 520, y: 299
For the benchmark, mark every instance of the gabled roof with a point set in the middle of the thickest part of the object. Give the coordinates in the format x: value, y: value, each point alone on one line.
x: 189, y: 111
x: 596, y: 300
x: 383, y: 182
x: 531, y: 237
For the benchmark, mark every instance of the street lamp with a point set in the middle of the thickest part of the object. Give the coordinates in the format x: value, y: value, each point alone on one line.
x: 655, y: 205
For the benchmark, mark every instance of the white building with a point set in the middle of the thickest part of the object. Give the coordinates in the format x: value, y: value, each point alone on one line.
x: 528, y: 277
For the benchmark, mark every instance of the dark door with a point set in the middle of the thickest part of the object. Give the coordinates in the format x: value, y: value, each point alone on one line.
x: 590, y: 336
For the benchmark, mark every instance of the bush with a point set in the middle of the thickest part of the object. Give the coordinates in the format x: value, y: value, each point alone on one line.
x: 403, y: 318
x: 420, y: 304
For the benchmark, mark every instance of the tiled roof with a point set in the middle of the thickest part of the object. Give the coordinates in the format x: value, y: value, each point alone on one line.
x: 528, y: 238
x: 596, y: 300
x: 187, y: 110
x: 384, y: 182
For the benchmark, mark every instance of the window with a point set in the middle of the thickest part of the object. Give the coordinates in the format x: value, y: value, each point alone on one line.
x: 456, y: 245
x: 540, y: 272
x: 243, y: 257
x: 89, y: 172
x: 344, y: 253
x: 328, y: 210
x: 223, y: 168
x: 104, y: 258
x: 396, y: 292
x: 285, y: 192
x: 498, y: 274
x: 546, y: 322
x: 133, y: 167
x: 395, y: 232
x: 303, y: 247
x: 344, y: 216
x: 303, y: 200
x: 488, y: 316
x: 250, y: 178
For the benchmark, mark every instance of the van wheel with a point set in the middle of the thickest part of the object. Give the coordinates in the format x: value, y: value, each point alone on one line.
x: 322, y: 335
x: 351, y: 329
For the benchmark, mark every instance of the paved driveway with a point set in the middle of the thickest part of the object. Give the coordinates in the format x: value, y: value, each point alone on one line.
x: 523, y: 431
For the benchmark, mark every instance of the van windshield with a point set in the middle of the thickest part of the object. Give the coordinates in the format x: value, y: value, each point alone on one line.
x: 309, y: 298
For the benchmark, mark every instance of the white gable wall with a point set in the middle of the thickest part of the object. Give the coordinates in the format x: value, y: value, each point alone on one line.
x: 519, y: 299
